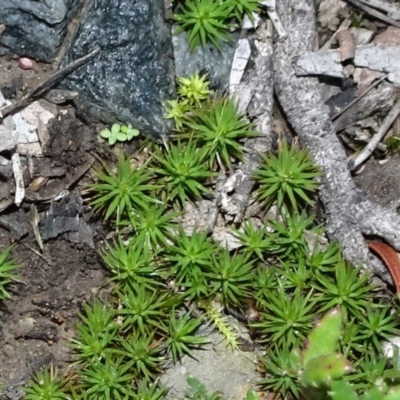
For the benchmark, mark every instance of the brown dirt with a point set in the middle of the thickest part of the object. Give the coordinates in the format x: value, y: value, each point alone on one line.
x: 37, y: 321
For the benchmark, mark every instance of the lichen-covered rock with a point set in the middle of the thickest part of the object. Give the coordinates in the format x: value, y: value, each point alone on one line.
x: 35, y: 29
x: 133, y: 74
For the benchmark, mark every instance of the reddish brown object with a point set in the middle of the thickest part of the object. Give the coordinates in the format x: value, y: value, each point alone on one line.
x: 391, y: 259
x: 26, y: 63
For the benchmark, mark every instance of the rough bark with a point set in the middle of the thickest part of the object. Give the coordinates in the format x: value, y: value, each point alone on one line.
x: 349, y: 214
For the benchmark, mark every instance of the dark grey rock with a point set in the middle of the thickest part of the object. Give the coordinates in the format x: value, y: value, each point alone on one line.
x: 208, y: 60
x: 133, y: 75
x: 35, y: 28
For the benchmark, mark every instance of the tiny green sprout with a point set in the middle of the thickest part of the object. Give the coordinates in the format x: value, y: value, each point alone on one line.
x: 194, y: 89
x: 119, y: 133
x: 176, y: 110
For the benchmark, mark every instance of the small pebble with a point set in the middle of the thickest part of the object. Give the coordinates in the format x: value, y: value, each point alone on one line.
x: 26, y: 63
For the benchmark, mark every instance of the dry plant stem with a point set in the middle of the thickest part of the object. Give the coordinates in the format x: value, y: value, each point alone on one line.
x: 374, y: 13
x: 369, y: 149
x: 43, y: 87
x: 259, y: 83
x: 349, y: 214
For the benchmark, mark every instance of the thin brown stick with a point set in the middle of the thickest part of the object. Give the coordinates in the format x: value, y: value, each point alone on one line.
x: 43, y: 87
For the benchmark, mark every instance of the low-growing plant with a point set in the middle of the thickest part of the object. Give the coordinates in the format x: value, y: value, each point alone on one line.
x: 219, y: 128
x: 232, y: 278
x: 189, y: 255
x: 214, y: 314
x: 46, y: 386
x: 144, y: 352
x: 176, y: 110
x: 6, y: 273
x: 144, y: 310
x: 130, y: 263
x: 181, y: 338
x: 241, y: 7
x: 282, y: 372
x: 255, y: 242
x: 204, y: 20
x: 377, y: 325
x: 182, y: 172
x: 108, y: 379
x: 149, y: 391
x: 308, y: 374
x: 194, y: 89
x: 119, y: 133
x: 286, y: 319
x: 119, y: 193
x: 154, y: 226
x: 288, y: 241
x: 198, y: 391
x: 287, y: 178
x: 95, y: 332
x: 347, y: 288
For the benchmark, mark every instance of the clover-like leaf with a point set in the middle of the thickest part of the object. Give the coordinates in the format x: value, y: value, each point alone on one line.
x: 105, y: 133
x: 130, y: 133
x: 116, y: 128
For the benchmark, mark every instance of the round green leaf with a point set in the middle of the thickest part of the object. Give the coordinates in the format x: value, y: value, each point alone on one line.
x: 121, y: 137
x: 124, y: 128
x: 112, y: 139
x: 115, y: 128
x: 105, y: 133
x: 131, y: 133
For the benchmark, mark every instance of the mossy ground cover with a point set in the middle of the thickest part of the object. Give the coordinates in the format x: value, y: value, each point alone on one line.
x: 160, y: 273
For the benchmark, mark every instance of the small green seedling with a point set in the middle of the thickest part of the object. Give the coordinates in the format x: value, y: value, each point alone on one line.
x: 120, y: 133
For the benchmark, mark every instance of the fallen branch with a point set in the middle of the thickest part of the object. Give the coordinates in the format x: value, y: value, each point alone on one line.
x: 43, y: 87
x: 349, y: 214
